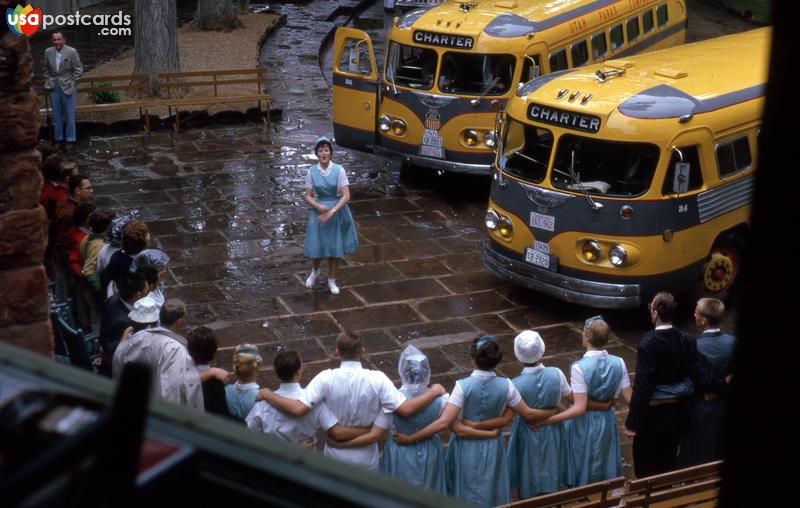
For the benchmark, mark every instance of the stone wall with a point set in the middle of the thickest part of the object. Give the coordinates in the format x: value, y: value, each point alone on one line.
x: 23, y: 224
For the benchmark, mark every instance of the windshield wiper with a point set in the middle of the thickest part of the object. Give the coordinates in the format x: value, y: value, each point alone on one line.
x: 575, y: 178
x: 491, y: 85
x: 517, y: 152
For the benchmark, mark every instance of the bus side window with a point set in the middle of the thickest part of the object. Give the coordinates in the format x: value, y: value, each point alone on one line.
x: 558, y: 60
x: 647, y: 22
x: 355, y: 58
x: 531, y: 68
x: 599, y: 46
x: 632, y: 28
x: 733, y: 156
x: 691, y: 155
x: 580, y: 53
x: 617, y: 37
x: 662, y: 15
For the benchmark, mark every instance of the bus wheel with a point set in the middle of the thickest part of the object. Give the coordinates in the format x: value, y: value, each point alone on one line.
x: 720, y: 270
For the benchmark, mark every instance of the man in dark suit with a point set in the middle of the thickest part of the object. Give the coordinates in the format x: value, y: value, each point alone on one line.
x: 668, y: 370
x: 132, y: 287
x: 62, y: 69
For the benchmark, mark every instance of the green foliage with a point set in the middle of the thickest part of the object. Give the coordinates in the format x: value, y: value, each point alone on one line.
x: 105, y: 96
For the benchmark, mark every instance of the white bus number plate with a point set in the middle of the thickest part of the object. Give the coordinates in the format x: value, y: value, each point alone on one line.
x: 432, y: 151
x: 541, y: 221
x: 537, y: 258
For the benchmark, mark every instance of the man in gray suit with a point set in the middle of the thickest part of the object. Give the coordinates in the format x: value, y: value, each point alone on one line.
x: 62, y: 69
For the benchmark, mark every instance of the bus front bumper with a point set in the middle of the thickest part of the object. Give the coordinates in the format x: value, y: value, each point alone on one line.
x: 593, y: 294
x: 429, y: 162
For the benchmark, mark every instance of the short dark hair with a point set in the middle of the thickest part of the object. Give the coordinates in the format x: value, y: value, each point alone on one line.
x: 130, y: 284
x: 172, y: 310
x: 82, y: 212
x: 51, y: 168
x: 75, y: 182
x: 321, y: 143
x: 286, y: 364
x: 665, y: 306
x: 487, y: 356
x: 349, y: 345
x: 712, y: 309
x: 100, y: 219
x: 202, y: 345
x: 134, y: 237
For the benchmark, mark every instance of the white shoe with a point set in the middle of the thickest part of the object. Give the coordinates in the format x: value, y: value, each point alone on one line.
x: 312, y: 279
x: 333, y: 287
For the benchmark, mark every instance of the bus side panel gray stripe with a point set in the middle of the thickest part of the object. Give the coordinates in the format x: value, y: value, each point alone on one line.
x: 713, y: 203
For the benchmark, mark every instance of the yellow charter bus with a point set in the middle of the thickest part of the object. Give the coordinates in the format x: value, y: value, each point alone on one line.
x: 622, y: 179
x: 451, y: 68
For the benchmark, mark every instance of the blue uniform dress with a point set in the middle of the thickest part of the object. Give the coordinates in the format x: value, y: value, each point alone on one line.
x: 702, y: 442
x: 241, y: 398
x: 337, y: 236
x: 421, y: 464
x: 592, y: 439
x: 476, y: 469
x: 535, y: 462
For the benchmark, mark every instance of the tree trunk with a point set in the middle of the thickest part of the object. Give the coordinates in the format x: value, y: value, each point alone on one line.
x: 216, y: 15
x: 241, y: 6
x: 155, y: 39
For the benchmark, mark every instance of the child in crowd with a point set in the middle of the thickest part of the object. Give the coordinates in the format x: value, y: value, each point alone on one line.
x: 592, y: 439
x: 135, y: 237
x: 202, y: 345
x: 113, y: 240
x: 298, y: 430
x: 535, y: 456
x: 241, y: 396
x: 476, y: 470
x: 152, y: 263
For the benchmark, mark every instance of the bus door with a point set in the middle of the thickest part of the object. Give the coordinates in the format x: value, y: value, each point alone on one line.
x: 355, y: 87
x: 532, y: 62
x: 684, y: 179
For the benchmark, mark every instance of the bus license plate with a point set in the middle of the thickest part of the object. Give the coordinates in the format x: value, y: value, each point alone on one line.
x: 541, y: 221
x: 537, y: 258
x: 432, y: 151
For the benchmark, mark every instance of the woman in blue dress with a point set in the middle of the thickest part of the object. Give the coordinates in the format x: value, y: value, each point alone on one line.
x: 331, y: 231
x: 476, y: 470
x: 592, y: 440
x: 241, y: 396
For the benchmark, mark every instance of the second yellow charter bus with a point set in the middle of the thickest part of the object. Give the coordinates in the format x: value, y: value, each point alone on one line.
x: 451, y: 68
x: 630, y: 177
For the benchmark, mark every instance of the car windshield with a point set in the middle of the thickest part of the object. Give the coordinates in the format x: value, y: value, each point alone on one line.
x: 525, y: 151
x: 410, y: 66
x: 471, y: 74
x: 603, y: 168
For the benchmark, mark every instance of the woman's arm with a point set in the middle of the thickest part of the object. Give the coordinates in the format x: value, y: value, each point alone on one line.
x: 448, y: 415
x: 338, y: 206
x: 577, y: 409
x: 464, y: 431
x: 531, y: 415
x: 627, y: 393
x: 497, y: 422
x: 309, y: 197
x: 367, y: 437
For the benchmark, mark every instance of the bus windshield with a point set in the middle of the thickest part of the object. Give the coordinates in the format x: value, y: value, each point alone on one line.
x: 411, y: 66
x: 525, y: 151
x: 471, y: 74
x: 603, y: 168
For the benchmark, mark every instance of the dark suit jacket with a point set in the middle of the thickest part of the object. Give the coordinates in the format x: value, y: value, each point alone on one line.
x: 666, y: 357
x: 113, y: 322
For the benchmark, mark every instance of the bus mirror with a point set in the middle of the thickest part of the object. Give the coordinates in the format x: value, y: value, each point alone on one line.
x: 680, y: 183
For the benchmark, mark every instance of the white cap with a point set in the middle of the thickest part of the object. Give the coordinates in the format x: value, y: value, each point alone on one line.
x: 145, y: 310
x: 528, y: 347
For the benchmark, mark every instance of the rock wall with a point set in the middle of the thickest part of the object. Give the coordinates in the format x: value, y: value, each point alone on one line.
x: 24, y: 319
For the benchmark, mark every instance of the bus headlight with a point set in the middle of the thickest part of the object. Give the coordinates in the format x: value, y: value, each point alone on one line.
x: 506, y: 227
x: 591, y: 250
x: 492, y: 220
x: 490, y: 139
x: 398, y: 127
x: 384, y: 123
x: 471, y: 137
x: 618, y: 255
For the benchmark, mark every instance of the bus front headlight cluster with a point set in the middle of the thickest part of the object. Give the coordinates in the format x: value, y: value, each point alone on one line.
x: 499, y: 223
x: 490, y: 139
x: 398, y: 127
x: 618, y: 255
x: 471, y: 137
x: 384, y: 123
x: 591, y: 250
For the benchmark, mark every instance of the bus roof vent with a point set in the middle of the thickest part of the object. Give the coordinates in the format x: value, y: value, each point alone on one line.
x: 671, y: 73
x: 619, y: 64
x: 507, y: 4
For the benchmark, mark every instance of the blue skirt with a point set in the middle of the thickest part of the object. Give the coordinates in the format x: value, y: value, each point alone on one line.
x: 421, y: 464
x: 592, y: 448
x: 535, y: 459
x: 334, y: 238
x: 477, y: 472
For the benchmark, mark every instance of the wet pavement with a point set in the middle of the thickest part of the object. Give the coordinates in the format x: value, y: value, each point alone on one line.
x: 226, y: 204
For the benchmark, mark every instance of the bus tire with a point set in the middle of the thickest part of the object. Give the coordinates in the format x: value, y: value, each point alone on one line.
x: 721, y: 269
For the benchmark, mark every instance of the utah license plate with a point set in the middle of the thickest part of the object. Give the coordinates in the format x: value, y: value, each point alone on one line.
x: 542, y: 221
x: 537, y: 258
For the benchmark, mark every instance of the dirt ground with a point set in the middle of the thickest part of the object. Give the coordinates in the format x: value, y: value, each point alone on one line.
x: 199, y: 51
